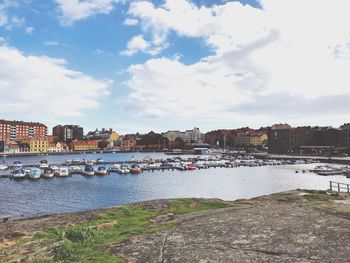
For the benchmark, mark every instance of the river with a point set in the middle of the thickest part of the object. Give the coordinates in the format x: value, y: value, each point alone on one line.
x: 28, y: 198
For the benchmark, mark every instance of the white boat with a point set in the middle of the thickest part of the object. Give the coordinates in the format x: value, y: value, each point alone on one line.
x: 43, y: 164
x: 90, y: 162
x: 89, y: 170
x: 101, y: 170
x: 75, y: 169
x: 114, y: 168
x: 123, y: 169
x: 17, y: 165
x: 55, y: 167
x: 327, y: 170
x: 48, y: 173
x: 63, y: 172
x: 4, y: 166
x: 18, y: 174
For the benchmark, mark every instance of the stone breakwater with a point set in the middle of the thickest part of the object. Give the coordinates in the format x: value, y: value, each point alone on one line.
x: 293, y: 226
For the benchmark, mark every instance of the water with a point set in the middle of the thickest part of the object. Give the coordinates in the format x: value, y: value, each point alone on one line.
x: 77, y: 193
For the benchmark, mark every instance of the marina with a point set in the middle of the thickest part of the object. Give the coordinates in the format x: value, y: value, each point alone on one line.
x: 27, y: 198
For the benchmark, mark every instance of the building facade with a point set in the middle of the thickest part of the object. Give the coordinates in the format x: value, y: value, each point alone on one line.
x: 11, y: 131
x: 68, y: 132
x: 38, y: 145
x: 84, y: 145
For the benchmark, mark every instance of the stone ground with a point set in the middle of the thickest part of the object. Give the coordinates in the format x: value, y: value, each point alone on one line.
x: 277, y: 228
x: 294, y: 226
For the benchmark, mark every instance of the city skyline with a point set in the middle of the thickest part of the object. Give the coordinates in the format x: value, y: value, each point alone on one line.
x: 138, y: 66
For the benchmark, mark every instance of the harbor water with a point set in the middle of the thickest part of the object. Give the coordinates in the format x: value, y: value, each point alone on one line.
x: 28, y: 198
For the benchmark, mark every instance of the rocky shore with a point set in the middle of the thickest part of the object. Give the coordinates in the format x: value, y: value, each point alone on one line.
x: 294, y: 226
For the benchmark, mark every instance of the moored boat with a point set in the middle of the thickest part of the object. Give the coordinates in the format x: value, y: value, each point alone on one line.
x: 114, y: 168
x: 135, y: 169
x: 327, y: 170
x: 34, y: 173
x: 18, y: 174
x: 62, y: 172
x: 4, y: 166
x: 43, y: 164
x: 48, y: 173
x: 101, y: 170
x: 88, y: 170
x: 75, y: 169
x: 17, y: 165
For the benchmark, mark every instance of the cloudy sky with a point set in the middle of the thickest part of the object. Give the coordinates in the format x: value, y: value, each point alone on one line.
x: 175, y: 64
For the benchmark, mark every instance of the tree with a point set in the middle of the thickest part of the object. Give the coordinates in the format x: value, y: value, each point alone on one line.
x: 102, y: 144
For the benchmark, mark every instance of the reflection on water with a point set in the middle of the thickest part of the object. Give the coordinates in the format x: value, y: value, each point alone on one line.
x: 77, y: 193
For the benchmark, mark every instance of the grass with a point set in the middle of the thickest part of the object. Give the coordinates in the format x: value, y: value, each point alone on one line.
x: 89, y: 241
x: 184, y: 206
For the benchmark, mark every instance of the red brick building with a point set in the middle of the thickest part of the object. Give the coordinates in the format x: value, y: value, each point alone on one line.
x: 84, y: 145
x: 20, y: 130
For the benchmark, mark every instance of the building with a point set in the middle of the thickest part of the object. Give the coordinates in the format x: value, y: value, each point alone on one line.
x: 84, y: 145
x: 258, y: 139
x: 58, y: 147
x: 11, y: 131
x: 128, y: 143
x: 302, y: 140
x: 174, y: 134
x: 68, y: 132
x: 38, y: 144
x: 13, y: 148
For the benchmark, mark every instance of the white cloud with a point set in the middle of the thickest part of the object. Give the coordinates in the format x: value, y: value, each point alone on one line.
x: 29, y: 29
x: 294, y: 47
x: 7, y: 20
x: 139, y: 44
x: 75, y: 10
x: 45, y: 87
x: 131, y: 22
x: 51, y: 43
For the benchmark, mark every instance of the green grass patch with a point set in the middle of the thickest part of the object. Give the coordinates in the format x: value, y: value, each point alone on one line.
x: 315, y: 197
x: 88, y: 242
x: 184, y: 206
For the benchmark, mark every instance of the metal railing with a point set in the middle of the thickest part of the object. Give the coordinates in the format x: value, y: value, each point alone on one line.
x: 339, y: 187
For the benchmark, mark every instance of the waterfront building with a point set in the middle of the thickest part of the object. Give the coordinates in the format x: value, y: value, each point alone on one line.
x: 84, y: 145
x: 11, y: 131
x: 58, y: 147
x: 128, y: 143
x: 258, y: 139
x: 68, y: 132
x: 13, y: 148
x: 38, y: 145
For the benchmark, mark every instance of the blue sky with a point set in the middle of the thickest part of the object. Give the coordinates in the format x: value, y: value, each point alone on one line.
x: 160, y: 65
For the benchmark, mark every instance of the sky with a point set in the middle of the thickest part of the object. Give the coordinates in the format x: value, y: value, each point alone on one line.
x: 137, y: 66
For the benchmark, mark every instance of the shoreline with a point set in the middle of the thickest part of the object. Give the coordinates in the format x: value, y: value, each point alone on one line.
x: 292, y: 226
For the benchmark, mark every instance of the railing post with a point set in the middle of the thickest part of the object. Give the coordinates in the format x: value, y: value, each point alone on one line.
x: 348, y: 188
x: 338, y: 187
x: 330, y: 185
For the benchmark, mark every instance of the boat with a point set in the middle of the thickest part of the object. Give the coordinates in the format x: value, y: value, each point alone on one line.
x: 181, y: 167
x: 135, y: 169
x: 17, y: 165
x: 48, y: 173
x: 18, y: 174
x: 89, y: 170
x: 191, y: 166
x: 101, y: 170
x: 327, y: 170
x: 99, y: 161
x: 123, y: 169
x: 75, y: 169
x: 54, y: 167
x: 43, y: 164
x: 90, y: 162
x: 62, y: 172
x: 34, y: 173
x: 114, y: 168
x: 4, y: 165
